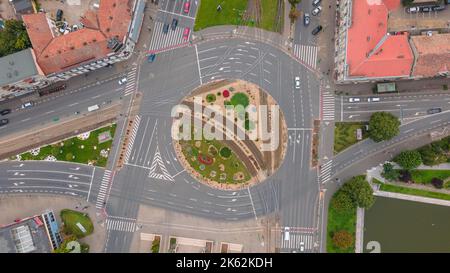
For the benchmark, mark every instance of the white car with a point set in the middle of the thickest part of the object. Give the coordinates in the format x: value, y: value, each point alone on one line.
x: 297, y: 82
x: 373, y: 99
x: 316, y: 11
x: 302, y: 246
x: 286, y: 233
x: 27, y: 105
x: 123, y: 81
x: 354, y: 100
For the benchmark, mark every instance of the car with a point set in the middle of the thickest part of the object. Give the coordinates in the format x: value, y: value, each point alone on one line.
x: 123, y: 81
x: 302, y: 246
x: 306, y: 19
x: 434, y: 111
x: 316, y: 11
x: 59, y: 14
x: 174, y: 24
x: 354, y: 100
x: 187, y: 6
x: 425, y: 9
x: 286, y: 233
x: 438, y: 8
x: 373, y: 99
x: 151, y: 58
x: 316, y: 2
x: 316, y: 30
x: 297, y: 82
x: 186, y: 33
x: 27, y: 105
x: 3, y: 122
x: 5, y: 112
x: 165, y: 28
x: 412, y: 10
x: 75, y: 27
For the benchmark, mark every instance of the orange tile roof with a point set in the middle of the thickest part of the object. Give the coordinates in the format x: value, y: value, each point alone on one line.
x: 38, y: 30
x: 90, y: 43
x: 433, y: 54
x: 371, y: 52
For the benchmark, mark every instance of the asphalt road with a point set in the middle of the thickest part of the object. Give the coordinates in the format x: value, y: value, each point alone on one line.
x: 302, y: 33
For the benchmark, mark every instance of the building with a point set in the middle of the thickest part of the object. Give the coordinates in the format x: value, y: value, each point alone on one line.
x: 36, y: 234
x: 108, y: 36
x: 365, y: 51
x: 22, y: 7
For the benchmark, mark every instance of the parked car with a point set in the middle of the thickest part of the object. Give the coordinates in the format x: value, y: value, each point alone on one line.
x: 151, y: 58
x: 316, y: 30
x: 373, y: 99
x: 174, y: 24
x: 59, y: 14
x: 27, y: 105
x: 123, y: 81
x: 316, y: 11
x: 286, y: 233
x: 5, y: 112
x: 316, y: 2
x: 165, y: 28
x: 302, y: 246
x: 186, y: 33
x: 3, y: 122
x: 412, y: 10
x: 434, y: 111
x: 306, y: 19
x: 354, y: 100
x: 438, y: 8
x: 187, y: 6
x: 297, y: 82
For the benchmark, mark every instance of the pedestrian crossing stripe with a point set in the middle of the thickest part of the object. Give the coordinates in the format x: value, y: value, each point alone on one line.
x: 101, y: 196
x: 121, y: 225
x: 307, y: 54
x: 328, y: 106
x: 325, y: 171
x: 137, y: 121
x: 158, y: 163
x: 161, y: 40
x: 296, y: 240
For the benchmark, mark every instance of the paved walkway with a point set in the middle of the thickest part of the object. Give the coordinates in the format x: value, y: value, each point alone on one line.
x: 359, y: 231
x: 412, y: 198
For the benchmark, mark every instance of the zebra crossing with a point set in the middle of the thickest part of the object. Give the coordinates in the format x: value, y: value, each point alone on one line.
x: 328, y: 105
x: 163, y: 41
x: 137, y: 121
x: 103, y: 189
x: 297, y: 240
x: 159, y: 163
x: 325, y: 171
x: 130, y: 87
x: 121, y: 225
x: 307, y: 54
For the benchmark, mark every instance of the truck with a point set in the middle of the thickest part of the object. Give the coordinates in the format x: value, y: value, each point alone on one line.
x: 93, y: 108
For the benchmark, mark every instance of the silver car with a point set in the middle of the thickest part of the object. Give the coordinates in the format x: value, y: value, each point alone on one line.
x: 316, y: 11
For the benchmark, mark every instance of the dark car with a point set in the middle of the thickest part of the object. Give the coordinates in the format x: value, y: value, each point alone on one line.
x: 5, y: 112
x: 59, y: 14
x: 151, y: 58
x: 438, y: 8
x: 3, y: 122
x: 174, y: 24
x: 165, y: 28
x: 434, y: 111
x: 425, y: 9
x: 316, y: 30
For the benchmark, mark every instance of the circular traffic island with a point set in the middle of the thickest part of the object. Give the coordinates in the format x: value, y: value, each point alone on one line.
x: 230, y: 134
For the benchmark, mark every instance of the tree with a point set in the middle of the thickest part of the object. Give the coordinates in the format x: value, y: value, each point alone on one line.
x: 342, y: 201
x: 409, y: 160
x: 13, y: 38
x: 383, y: 126
x: 294, y: 14
x: 359, y: 191
x: 294, y: 2
x: 432, y: 155
x: 389, y: 172
x: 342, y: 239
x: 437, y: 183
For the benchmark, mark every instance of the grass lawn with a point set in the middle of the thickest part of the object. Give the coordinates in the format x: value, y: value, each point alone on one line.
x: 410, y: 191
x: 269, y: 15
x: 425, y: 176
x: 77, y: 150
x: 340, y: 220
x: 207, y: 15
x: 70, y: 219
x: 345, y: 134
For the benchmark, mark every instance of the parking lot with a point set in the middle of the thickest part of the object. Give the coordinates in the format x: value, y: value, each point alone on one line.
x: 72, y: 9
x: 400, y: 20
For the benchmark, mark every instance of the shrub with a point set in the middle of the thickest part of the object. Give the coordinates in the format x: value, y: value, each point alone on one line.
x: 225, y: 152
x: 211, y: 98
x: 389, y: 172
x: 437, y: 183
x: 342, y: 239
x: 342, y: 201
x: 405, y: 176
x: 409, y: 160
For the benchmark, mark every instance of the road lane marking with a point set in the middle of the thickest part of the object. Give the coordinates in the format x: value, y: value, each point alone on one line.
x: 90, y: 186
x: 198, y: 65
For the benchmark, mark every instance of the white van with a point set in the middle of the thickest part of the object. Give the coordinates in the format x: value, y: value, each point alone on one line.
x: 286, y: 233
x: 93, y: 108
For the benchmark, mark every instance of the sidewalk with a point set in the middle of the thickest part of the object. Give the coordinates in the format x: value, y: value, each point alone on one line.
x: 414, y: 198
x: 359, y: 233
x: 287, y: 29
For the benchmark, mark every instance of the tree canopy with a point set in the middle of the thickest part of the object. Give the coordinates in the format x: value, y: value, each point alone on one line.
x: 383, y: 126
x: 408, y: 160
x: 359, y: 191
x: 13, y: 38
x: 342, y: 239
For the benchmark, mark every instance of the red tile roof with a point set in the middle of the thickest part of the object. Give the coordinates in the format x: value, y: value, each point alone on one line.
x: 433, y: 54
x: 90, y: 43
x: 371, y: 52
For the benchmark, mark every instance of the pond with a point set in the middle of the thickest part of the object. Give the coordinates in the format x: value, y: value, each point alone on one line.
x: 396, y: 225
